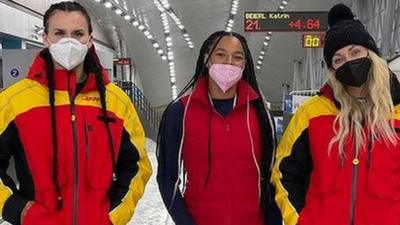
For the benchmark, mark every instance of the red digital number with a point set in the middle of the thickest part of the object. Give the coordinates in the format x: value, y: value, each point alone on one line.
x: 295, y: 24
x: 252, y: 25
x: 317, y: 24
x: 313, y: 24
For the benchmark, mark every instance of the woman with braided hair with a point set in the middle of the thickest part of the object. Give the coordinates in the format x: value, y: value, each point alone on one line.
x: 221, y: 136
x: 76, y: 138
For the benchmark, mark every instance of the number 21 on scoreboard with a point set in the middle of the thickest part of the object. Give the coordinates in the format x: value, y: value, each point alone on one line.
x: 252, y: 25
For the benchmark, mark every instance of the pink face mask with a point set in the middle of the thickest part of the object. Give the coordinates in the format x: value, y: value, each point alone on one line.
x: 225, y: 75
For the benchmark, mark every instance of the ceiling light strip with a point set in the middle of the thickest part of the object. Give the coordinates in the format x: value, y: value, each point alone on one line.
x: 267, y: 39
x: 113, y: 5
x: 232, y: 12
x: 171, y: 12
x: 170, y: 53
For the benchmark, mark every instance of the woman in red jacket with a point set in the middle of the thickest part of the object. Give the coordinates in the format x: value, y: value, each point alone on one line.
x: 338, y: 162
x: 76, y: 139
x: 220, y: 135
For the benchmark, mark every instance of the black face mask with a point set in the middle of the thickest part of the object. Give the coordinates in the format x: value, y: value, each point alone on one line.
x: 354, y: 72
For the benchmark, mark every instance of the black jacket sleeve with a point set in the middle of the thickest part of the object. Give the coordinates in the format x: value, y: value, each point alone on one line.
x: 133, y: 169
x: 292, y: 169
x: 11, y: 201
x: 296, y: 169
x: 171, y: 134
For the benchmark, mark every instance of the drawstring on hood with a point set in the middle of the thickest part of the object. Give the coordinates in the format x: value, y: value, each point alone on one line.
x: 252, y: 145
x: 210, y: 136
x: 209, y: 141
x: 180, y: 160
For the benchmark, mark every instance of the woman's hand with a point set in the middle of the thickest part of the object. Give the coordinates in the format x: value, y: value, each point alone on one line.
x: 25, y: 210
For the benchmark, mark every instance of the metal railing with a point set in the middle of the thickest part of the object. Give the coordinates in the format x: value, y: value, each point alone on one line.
x: 304, y: 92
x: 142, y: 104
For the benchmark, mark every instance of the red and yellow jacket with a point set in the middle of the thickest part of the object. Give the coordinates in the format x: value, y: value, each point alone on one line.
x: 313, y: 187
x: 84, y: 156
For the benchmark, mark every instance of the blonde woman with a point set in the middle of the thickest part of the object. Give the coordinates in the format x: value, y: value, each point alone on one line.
x: 338, y: 162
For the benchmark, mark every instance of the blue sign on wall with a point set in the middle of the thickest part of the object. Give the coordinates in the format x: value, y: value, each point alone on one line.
x: 288, y: 103
x: 14, y: 72
x: 11, y: 43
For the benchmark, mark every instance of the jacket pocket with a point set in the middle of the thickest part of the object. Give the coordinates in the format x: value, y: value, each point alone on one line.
x: 323, y: 183
x: 39, y: 215
x: 191, y: 197
x: 29, y: 214
x: 384, y: 172
x: 46, y: 195
x: 98, y: 155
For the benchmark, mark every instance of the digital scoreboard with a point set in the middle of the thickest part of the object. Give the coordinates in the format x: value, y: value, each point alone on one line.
x: 122, y: 61
x: 313, y: 40
x: 285, y: 21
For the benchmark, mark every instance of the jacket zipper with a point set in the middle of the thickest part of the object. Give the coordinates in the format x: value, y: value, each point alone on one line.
x: 75, y: 155
x: 86, y: 139
x: 353, y: 189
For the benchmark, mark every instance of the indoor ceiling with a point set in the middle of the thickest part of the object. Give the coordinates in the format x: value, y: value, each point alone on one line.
x: 201, y: 18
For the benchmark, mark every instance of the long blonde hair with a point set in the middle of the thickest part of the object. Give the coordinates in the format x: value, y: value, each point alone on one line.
x: 377, y: 112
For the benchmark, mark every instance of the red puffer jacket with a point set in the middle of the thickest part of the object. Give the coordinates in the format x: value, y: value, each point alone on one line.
x: 231, y: 194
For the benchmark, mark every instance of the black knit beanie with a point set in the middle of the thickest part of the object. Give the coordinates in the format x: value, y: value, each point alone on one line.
x: 345, y: 30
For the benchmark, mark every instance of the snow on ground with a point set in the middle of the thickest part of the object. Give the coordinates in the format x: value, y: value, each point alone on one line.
x: 151, y: 209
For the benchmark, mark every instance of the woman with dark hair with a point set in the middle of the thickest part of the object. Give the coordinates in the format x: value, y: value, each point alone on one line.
x: 76, y: 139
x: 220, y: 136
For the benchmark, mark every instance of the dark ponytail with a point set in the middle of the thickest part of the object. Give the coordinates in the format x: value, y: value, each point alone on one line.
x: 92, y: 65
x: 45, y: 54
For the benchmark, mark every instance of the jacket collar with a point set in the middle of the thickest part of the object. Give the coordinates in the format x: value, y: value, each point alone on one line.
x: 200, y: 92
x: 64, y: 80
x: 327, y: 91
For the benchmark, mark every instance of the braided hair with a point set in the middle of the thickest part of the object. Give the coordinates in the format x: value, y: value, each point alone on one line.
x: 267, y: 137
x: 91, y: 67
